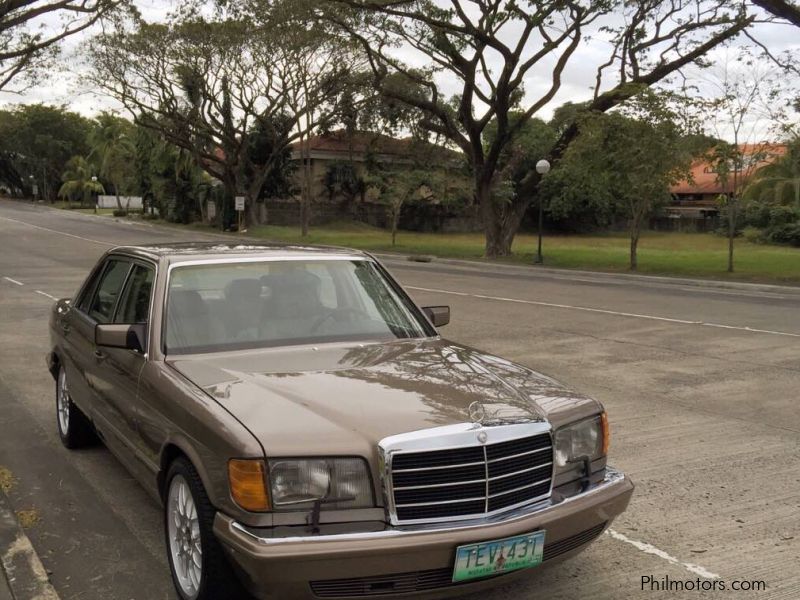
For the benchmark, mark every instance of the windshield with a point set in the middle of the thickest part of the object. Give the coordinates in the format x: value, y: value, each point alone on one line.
x: 231, y: 306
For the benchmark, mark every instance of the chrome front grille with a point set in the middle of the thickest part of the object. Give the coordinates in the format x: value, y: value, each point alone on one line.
x: 471, y: 481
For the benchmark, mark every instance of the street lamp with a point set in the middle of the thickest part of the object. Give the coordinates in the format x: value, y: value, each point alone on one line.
x: 96, y: 198
x: 542, y: 168
x: 32, y: 180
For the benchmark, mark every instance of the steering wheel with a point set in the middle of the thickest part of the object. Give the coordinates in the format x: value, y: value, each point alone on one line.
x: 333, y: 312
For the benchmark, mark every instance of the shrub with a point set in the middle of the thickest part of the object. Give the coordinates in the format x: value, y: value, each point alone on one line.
x: 783, y: 215
x: 756, y: 214
x: 788, y: 233
x: 120, y: 212
x: 754, y: 235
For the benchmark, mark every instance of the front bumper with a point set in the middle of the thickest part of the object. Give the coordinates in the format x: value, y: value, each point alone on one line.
x: 285, y: 567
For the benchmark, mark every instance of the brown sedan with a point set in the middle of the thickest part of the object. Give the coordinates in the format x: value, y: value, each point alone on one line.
x: 310, y: 435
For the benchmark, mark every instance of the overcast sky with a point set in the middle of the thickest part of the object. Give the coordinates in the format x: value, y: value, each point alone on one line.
x: 64, y: 86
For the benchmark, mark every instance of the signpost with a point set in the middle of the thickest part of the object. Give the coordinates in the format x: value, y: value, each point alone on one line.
x: 239, y: 205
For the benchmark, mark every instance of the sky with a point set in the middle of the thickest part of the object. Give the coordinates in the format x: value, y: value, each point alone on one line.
x: 64, y: 87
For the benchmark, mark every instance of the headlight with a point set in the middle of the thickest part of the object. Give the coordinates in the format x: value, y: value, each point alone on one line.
x: 585, y: 438
x: 339, y: 482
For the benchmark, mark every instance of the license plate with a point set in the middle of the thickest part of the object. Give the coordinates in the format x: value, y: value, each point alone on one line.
x: 498, y: 556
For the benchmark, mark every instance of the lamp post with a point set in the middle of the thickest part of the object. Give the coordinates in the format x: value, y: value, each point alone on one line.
x: 32, y: 181
x: 542, y: 168
x: 94, y: 180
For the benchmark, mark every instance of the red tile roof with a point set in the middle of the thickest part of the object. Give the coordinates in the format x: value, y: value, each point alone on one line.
x: 339, y: 142
x: 705, y: 180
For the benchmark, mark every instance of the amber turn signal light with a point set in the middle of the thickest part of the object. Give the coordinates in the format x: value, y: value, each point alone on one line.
x: 606, y: 433
x: 248, y: 482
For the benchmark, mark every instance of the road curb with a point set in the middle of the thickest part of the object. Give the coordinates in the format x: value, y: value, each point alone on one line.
x: 21, y: 570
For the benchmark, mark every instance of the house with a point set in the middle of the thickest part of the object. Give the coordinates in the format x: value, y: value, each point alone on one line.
x: 697, y: 198
x: 338, y: 155
x: 705, y: 185
x: 343, y: 168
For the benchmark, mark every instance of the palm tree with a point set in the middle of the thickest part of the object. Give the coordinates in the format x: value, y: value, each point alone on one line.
x: 78, y: 181
x: 112, y: 146
x: 779, y: 182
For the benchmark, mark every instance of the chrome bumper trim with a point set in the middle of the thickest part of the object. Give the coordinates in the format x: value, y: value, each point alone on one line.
x: 612, y: 478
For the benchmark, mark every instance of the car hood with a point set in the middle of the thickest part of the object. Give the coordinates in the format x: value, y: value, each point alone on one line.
x: 344, y: 398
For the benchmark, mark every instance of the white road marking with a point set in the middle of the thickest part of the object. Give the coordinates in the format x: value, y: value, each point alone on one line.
x: 650, y: 549
x: 607, y: 312
x: 14, y: 281
x: 78, y: 237
x: 46, y: 295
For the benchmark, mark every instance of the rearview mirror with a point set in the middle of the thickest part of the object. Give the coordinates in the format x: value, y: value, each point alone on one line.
x: 129, y: 337
x: 439, y: 316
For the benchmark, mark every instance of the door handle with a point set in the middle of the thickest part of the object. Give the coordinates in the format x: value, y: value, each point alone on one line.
x: 65, y: 328
x: 99, y: 355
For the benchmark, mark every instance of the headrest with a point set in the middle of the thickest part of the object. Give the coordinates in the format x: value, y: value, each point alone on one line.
x: 243, y: 289
x: 186, y: 303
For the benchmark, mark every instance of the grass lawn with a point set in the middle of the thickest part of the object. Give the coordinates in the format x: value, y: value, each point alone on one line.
x: 678, y: 254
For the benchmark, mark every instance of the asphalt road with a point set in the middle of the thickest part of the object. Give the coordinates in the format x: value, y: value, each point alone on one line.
x: 702, y: 386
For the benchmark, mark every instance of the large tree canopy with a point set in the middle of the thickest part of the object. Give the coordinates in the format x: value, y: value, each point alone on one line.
x: 27, y: 42
x: 507, y: 59
x: 36, y: 141
x: 207, y: 85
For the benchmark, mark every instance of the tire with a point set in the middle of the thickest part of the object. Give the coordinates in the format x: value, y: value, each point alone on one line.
x: 190, y: 539
x: 74, y: 429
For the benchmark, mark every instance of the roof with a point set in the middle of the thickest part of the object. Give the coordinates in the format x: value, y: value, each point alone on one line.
x: 182, y: 251
x: 704, y: 179
x: 340, y: 141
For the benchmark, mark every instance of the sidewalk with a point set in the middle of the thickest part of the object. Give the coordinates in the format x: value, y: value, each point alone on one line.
x: 22, y: 575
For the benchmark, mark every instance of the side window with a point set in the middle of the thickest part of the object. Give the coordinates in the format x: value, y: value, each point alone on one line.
x: 108, y: 289
x: 88, y: 289
x: 135, y: 304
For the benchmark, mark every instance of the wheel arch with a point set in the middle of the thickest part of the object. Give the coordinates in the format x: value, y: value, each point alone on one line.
x: 172, y: 451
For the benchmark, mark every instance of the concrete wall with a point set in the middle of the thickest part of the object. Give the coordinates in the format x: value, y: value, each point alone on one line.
x: 111, y: 202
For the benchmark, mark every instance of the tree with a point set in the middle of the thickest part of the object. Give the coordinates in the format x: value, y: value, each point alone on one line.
x: 490, y: 49
x: 626, y: 163
x: 742, y: 93
x: 207, y: 85
x: 428, y: 173
x: 78, y: 182
x: 113, y: 147
x: 36, y: 141
x: 26, y: 46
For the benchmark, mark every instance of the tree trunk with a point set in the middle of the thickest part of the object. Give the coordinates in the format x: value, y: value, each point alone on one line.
x: 116, y: 195
x: 634, y: 264
x: 731, y: 229
x: 395, y: 219
x: 227, y: 202
x: 501, y: 223
x: 305, y: 216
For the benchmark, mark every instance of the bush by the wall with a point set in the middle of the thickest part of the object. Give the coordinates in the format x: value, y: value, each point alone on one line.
x: 788, y: 233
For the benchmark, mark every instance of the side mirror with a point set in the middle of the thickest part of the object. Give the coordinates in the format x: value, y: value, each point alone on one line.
x: 129, y: 337
x: 439, y: 316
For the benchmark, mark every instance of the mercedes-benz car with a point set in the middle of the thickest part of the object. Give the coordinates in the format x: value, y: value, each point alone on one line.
x: 310, y: 434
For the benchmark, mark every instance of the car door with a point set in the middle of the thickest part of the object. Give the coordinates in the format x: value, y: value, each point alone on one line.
x: 118, y: 370
x: 75, y: 346
x: 95, y: 305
